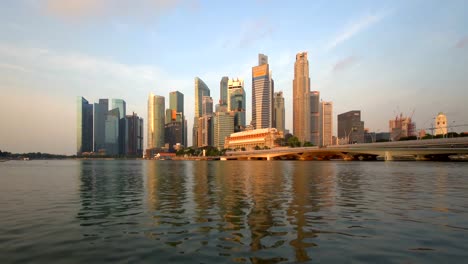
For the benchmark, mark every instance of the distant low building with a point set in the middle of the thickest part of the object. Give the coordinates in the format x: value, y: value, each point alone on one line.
x: 249, y: 140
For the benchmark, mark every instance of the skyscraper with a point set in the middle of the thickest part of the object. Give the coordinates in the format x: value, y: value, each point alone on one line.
x: 262, y: 94
x: 236, y: 102
x: 326, y: 123
x: 84, y: 126
x: 350, y: 127
x: 207, y: 106
x: 223, y: 91
x: 301, y: 88
x: 223, y: 124
x: 314, y: 106
x: 134, y: 125
x: 121, y: 105
x: 111, y: 138
x: 279, y: 112
x: 201, y: 89
x: 99, y: 125
x: 176, y: 101
x: 156, y: 106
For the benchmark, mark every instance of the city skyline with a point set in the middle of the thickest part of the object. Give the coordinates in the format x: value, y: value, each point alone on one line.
x: 379, y: 58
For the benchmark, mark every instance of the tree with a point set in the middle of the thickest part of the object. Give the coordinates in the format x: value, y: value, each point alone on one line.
x: 294, y: 142
x: 308, y: 144
x: 257, y: 147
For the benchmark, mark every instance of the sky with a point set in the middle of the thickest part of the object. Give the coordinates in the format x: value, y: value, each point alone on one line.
x: 380, y: 57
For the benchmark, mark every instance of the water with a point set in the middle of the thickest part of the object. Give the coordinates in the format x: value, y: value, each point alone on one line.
x: 233, y: 211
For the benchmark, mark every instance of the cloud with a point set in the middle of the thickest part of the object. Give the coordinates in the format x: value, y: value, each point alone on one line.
x: 462, y: 43
x: 86, y: 9
x: 251, y: 31
x: 345, y: 63
x: 356, y: 27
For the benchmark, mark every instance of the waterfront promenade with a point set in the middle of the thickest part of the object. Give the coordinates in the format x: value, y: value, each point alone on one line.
x: 434, y: 149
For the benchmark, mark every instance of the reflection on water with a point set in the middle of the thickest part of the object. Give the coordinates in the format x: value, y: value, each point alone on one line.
x: 233, y: 211
x: 111, y: 193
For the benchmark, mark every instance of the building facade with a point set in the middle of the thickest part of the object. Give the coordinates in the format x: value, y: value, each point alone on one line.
x: 84, y: 126
x: 350, y: 127
x: 134, y: 133
x: 236, y: 103
x: 201, y: 89
x: 112, y: 132
x: 121, y: 105
x: 223, y: 91
x: 279, y: 120
x: 301, y: 88
x: 314, y: 108
x: 156, y: 121
x: 223, y: 125
x: 99, y: 124
x: 252, y: 139
x: 326, y: 123
x: 441, y: 124
x: 262, y: 94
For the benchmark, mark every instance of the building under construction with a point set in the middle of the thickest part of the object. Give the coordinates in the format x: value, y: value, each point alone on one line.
x: 401, y: 127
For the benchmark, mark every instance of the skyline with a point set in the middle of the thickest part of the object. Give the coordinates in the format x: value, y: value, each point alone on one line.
x: 380, y: 58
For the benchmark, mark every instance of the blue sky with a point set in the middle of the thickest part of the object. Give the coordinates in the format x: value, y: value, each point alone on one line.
x: 380, y: 57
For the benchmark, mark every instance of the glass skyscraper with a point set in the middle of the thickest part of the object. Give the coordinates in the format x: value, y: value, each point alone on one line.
x: 201, y: 89
x: 99, y: 124
x: 236, y: 103
x: 84, y: 126
x: 121, y: 105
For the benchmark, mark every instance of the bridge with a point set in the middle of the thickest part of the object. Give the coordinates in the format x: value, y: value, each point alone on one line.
x: 429, y: 149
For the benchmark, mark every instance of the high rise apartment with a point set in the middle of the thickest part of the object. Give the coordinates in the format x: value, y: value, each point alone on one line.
x: 156, y: 111
x: 262, y: 94
x: 301, y: 88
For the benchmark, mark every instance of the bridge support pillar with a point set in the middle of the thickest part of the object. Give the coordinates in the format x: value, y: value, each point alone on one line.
x: 388, y: 156
x: 268, y: 157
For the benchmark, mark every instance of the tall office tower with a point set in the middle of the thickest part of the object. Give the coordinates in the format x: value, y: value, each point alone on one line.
x: 173, y: 134
x: 99, y: 125
x: 350, y: 127
x: 314, y: 102
x: 236, y: 103
x: 205, y: 131
x: 262, y: 94
x: 176, y: 102
x: 112, y: 132
x: 156, y: 106
x: 279, y: 112
x: 207, y: 106
x: 223, y: 125
x: 326, y: 123
x: 223, y: 91
x: 84, y: 126
x: 201, y: 89
x: 301, y: 88
x: 134, y: 125
x: 121, y: 105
